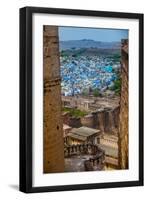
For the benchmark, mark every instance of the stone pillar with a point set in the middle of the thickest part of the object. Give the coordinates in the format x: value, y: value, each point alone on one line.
x: 123, y: 121
x: 53, y: 156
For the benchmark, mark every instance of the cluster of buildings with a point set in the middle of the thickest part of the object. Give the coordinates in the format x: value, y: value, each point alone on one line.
x: 99, y: 127
x: 90, y: 143
x: 80, y: 74
x: 89, y: 104
x: 88, y: 71
x: 84, y: 135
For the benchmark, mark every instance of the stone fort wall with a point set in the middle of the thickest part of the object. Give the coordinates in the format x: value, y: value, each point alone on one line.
x: 106, y: 120
x: 123, y: 120
x: 53, y: 157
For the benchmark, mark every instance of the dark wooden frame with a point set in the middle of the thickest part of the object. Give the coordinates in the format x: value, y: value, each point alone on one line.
x: 26, y: 98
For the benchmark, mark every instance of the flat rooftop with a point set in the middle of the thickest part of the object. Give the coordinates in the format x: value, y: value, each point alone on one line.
x: 83, y: 132
x: 78, y: 137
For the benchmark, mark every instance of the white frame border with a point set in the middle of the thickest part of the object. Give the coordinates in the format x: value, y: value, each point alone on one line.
x: 132, y: 174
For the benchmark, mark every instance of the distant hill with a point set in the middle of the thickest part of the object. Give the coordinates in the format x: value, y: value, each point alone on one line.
x: 77, y: 44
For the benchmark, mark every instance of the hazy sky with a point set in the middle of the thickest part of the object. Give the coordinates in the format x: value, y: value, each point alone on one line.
x: 98, y: 34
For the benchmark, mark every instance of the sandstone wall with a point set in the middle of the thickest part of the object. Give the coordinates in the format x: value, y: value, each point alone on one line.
x: 71, y: 120
x: 123, y: 124
x: 53, y: 157
x: 88, y: 121
x: 105, y: 120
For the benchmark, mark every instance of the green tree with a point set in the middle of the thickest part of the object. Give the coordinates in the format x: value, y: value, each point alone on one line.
x: 96, y: 92
x: 117, y: 86
x: 85, y: 92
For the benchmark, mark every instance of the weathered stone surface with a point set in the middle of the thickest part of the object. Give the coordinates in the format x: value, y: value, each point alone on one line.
x: 53, y: 130
x: 123, y: 121
x: 88, y: 121
x: 84, y: 157
x: 105, y: 120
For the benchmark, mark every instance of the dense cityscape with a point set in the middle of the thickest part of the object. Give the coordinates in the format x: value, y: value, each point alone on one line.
x: 90, y: 87
x: 85, y: 99
x: 83, y: 73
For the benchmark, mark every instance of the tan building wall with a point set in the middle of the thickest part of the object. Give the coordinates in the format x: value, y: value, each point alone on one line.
x: 53, y: 126
x: 123, y: 124
x: 88, y: 121
x: 71, y: 141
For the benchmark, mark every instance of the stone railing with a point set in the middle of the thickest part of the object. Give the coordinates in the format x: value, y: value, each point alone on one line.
x: 95, y: 162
